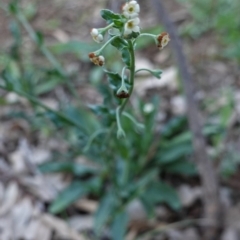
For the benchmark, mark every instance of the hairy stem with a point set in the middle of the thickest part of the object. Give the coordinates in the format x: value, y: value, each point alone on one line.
x: 132, y: 74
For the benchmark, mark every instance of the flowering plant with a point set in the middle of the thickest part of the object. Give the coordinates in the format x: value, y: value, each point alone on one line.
x: 124, y: 31
x: 117, y: 173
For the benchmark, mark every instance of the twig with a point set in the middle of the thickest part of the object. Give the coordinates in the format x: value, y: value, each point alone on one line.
x: 180, y: 224
x: 205, y: 167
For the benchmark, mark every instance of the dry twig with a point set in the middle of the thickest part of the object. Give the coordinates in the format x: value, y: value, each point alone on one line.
x: 205, y: 167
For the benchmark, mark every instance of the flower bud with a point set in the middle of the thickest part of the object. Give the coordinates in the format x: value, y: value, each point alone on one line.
x: 94, y: 32
x: 122, y: 92
x: 96, y: 35
x: 120, y: 133
x: 101, y: 60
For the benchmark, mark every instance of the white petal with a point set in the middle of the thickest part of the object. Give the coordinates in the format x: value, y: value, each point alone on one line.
x: 137, y: 8
x: 101, y: 58
x: 94, y: 32
x: 126, y: 14
x: 134, y: 15
x: 125, y: 7
x: 127, y: 31
x: 136, y: 29
x: 100, y: 37
x: 133, y: 2
x: 136, y: 21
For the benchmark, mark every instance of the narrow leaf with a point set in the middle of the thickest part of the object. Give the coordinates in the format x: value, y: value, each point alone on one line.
x: 68, y: 196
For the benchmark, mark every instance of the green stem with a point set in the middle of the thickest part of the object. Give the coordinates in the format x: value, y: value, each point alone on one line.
x: 143, y: 69
x: 148, y: 35
x: 99, y: 51
x: 92, y: 137
x: 132, y: 74
x: 133, y: 120
x: 102, y: 30
x: 118, y: 118
x: 123, y: 71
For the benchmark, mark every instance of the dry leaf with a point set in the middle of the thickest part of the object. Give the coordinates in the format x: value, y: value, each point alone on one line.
x: 60, y: 227
x: 10, y: 198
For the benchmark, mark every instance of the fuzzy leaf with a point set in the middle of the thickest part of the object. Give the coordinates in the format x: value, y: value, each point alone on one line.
x: 109, y: 16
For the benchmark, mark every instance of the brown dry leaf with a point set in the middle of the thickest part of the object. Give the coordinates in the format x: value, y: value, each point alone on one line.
x: 131, y: 235
x: 230, y: 234
x: 40, y: 155
x: 81, y: 223
x: 87, y: 205
x: 60, y: 227
x: 2, y: 190
x: 61, y: 36
x: 188, y: 195
x: 44, y: 187
x: 37, y: 231
x: 190, y: 234
x: 17, y: 161
x: 5, y: 229
x: 10, y: 198
x: 21, y: 215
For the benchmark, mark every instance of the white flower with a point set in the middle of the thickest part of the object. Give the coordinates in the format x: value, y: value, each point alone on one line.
x: 131, y: 9
x: 131, y: 26
x: 97, y: 37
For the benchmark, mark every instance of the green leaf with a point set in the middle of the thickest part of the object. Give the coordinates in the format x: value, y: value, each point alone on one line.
x: 162, y: 193
x: 119, y: 226
x: 114, y: 79
x: 82, y: 116
x: 174, y: 126
x: 13, y: 7
x: 81, y: 49
x: 182, y: 167
x: 69, y: 167
x: 105, y: 210
x: 119, y: 43
x: 68, y: 196
x: 39, y: 38
x: 47, y: 86
x: 118, y: 23
x: 175, y: 153
x: 157, y: 73
x: 126, y: 57
x: 15, y: 31
x: 109, y: 16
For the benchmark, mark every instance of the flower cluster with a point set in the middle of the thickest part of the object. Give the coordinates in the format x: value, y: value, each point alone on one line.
x: 96, y: 35
x: 97, y: 60
x: 131, y: 11
x: 163, y: 39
